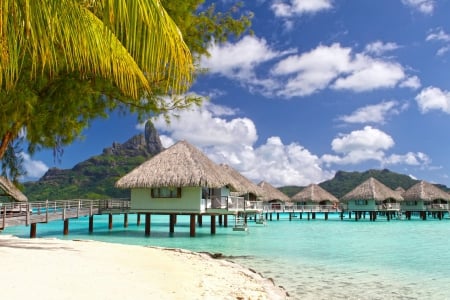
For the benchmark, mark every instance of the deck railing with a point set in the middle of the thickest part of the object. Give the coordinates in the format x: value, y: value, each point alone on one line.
x: 232, y: 203
x: 301, y: 208
x: 44, y: 211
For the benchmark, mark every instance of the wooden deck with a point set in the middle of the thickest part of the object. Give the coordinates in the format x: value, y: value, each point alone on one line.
x: 13, y: 214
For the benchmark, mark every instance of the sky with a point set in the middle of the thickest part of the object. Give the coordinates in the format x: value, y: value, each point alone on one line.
x: 321, y: 86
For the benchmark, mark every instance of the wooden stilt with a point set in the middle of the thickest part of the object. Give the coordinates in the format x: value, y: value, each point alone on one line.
x: 125, y: 220
x: 342, y: 215
x: 326, y: 216
x: 138, y: 221
x: 192, y: 225
x: 33, y: 230
x: 66, y: 227
x: 200, y: 220
x: 290, y: 216
x: 270, y: 216
x: 313, y: 215
x: 225, y: 220
x: 172, y: 223
x: 278, y: 216
x: 213, y: 224
x: 308, y: 216
x: 91, y: 223
x: 301, y: 215
x: 110, y: 221
x: 147, y: 224
x: 220, y: 220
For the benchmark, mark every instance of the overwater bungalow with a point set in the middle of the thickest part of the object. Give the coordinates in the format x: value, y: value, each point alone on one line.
x: 180, y: 179
x: 371, y: 196
x: 273, y: 198
x: 316, y: 198
x: 424, y: 196
x: 245, y: 188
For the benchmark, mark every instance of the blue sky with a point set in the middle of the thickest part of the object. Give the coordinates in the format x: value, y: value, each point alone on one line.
x: 321, y: 86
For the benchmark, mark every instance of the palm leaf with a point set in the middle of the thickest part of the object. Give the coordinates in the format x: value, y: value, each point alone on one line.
x: 135, y: 43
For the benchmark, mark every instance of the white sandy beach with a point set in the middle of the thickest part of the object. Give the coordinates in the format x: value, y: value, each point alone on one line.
x: 60, y: 269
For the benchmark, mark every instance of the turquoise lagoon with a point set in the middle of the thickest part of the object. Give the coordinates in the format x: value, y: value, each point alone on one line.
x: 313, y: 259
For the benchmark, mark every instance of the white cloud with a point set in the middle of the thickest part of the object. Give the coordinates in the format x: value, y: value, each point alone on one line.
x: 424, y: 6
x: 440, y: 35
x: 299, y: 7
x: 376, y: 113
x: 34, y: 168
x: 379, y: 48
x: 205, y: 126
x: 269, y: 72
x: 334, y: 66
x: 433, y: 98
x: 369, y: 144
x: 369, y: 74
x: 240, y: 59
x: 312, y: 71
x: 412, y: 82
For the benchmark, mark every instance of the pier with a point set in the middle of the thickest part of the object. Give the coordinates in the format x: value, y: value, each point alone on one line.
x: 33, y: 213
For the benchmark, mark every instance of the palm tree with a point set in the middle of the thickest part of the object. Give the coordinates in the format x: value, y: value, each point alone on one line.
x: 134, y: 44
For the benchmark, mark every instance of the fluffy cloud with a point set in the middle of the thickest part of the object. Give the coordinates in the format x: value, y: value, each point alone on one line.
x: 334, y: 66
x: 34, y: 168
x: 376, y: 113
x: 299, y: 7
x: 270, y: 72
x: 424, y: 6
x: 240, y: 59
x: 433, y: 98
x: 207, y: 126
x: 379, y: 48
x: 369, y: 144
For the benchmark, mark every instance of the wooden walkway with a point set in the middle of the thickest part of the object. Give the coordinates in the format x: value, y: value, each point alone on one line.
x: 13, y: 214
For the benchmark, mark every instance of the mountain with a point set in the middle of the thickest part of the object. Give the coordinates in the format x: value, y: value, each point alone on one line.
x: 344, y: 182
x: 95, y: 177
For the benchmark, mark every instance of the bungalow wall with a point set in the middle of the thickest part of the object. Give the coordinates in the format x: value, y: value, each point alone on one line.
x: 190, y: 200
x: 413, y: 205
x: 362, y: 205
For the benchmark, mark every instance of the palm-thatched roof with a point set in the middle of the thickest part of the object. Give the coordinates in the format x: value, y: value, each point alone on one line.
x: 425, y: 191
x: 372, y: 189
x: 314, y: 193
x: 272, y: 193
x: 10, y: 190
x: 180, y: 165
x: 242, y: 183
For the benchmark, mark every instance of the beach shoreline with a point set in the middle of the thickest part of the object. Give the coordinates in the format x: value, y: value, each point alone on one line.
x: 50, y: 268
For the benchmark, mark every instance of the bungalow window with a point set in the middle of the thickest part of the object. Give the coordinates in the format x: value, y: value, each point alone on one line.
x: 360, y: 202
x: 166, y: 192
x: 411, y: 203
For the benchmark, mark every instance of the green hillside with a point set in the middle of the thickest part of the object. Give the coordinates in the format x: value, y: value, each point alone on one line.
x: 95, y: 177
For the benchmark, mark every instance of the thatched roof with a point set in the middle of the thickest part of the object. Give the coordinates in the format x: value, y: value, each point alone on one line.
x: 371, y: 189
x: 10, y: 190
x: 315, y: 193
x: 425, y: 191
x: 180, y: 165
x: 242, y: 183
x: 272, y: 193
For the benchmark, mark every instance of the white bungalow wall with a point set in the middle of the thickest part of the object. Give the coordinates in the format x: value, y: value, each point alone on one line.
x: 190, y: 201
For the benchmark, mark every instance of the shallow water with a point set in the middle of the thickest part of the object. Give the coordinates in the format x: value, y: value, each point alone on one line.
x: 314, y: 259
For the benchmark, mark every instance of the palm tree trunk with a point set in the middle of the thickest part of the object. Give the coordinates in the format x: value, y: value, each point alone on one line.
x: 6, y: 140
